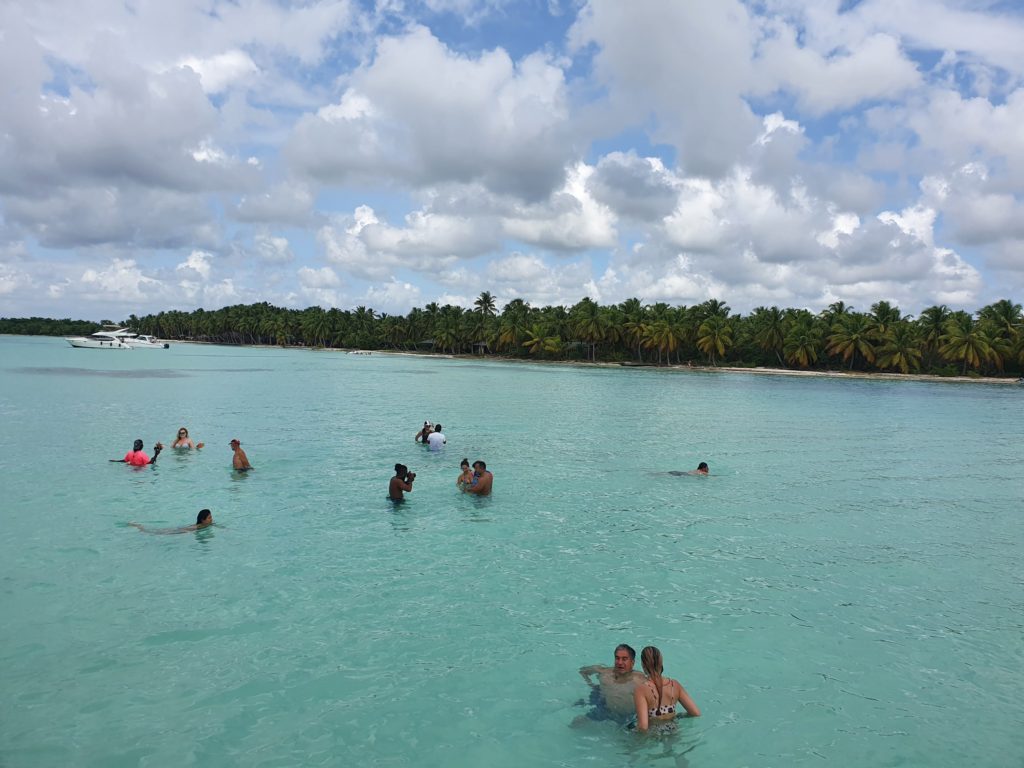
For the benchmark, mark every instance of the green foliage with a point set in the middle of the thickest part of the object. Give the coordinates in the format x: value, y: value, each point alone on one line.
x: 940, y: 341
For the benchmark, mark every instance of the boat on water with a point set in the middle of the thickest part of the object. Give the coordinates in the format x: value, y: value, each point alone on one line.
x: 116, y: 338
x: 145, y: 341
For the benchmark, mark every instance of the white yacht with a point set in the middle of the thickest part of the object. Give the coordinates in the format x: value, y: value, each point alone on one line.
x: 98, y: 340
x: 117, y: 338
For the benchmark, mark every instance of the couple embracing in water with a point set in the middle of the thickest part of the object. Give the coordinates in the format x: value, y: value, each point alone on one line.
x: 477, y: 480
x: 621, y: 693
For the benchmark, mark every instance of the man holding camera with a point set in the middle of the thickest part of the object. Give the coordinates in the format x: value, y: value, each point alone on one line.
x: 402, y: 481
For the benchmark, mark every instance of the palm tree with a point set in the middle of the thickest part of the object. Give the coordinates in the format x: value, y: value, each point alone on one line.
x: 539, y: 342
x: 803, y: 343
x: 853, y: 335
x: 714, y: 336
x: 932, y: 326
x: 966, y: 343
x: 770, y: 330
x: 662, y: 336
x: 901, y: 348
x: 589, y: 323
x: 485, y: 304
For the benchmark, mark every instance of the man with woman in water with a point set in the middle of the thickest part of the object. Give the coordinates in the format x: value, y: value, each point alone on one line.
x: 477, y: 481
x: 622, y: 693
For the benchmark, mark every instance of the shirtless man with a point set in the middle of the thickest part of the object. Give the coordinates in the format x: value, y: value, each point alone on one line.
x: 614, y: 689
x: 484, y: 480
x: 402, y: 481
x: 239, y: 461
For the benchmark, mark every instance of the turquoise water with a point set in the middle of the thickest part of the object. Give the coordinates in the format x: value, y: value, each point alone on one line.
x: 845, y: 587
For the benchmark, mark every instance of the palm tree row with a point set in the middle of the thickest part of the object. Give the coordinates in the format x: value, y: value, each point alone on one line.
x: 939, y: 340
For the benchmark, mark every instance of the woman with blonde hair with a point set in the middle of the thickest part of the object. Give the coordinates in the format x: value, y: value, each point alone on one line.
x: 656, y: 698
x: 184, y: 441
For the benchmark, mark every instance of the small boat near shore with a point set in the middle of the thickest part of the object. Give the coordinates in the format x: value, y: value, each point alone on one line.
x: 116, y: 338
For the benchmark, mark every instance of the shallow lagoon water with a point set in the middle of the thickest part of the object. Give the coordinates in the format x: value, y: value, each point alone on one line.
x: 845, y: 587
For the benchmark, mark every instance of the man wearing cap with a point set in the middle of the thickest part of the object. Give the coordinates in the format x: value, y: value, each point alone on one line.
x: 239, y: 461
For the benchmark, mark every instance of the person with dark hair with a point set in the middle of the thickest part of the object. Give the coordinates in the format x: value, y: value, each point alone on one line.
x: 466, y: 477
x: 436, y: 439
x: 137, y: 457
x: 612, y: 695
x: 481, y: 486
x: 656, y: 698
x: 702, y: 469
x: 424, y: 433
x: 239, y: 461
x: 203, y: 520
x: 402, y: 481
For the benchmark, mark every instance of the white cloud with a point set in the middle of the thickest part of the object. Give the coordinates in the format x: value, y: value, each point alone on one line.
x: 197, y: 262
x: 496, y: 121
x: 218, y: 72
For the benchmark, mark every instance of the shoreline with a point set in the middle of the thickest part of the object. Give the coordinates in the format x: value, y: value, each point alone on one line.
x: 759, y: 371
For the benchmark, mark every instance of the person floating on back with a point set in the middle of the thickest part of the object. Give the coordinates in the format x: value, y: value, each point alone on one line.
x: 436, y: 439
x: 239, y: 461
x: 481, y: 486
x: 402, y: 481
x: 203, y: 520
x: 138, y: 457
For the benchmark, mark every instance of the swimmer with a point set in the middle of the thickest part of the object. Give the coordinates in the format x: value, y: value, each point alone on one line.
x: 184, y: 441
x: 614, y: 687
x: 137, y: 457
x: 203, y: 520
x: 481, y: 485
x: 239, y: 461
x: 402, y: 481
x: 467, y: 477
x: 424, y: 433
x: 656, y: 698
x: 702, y: 469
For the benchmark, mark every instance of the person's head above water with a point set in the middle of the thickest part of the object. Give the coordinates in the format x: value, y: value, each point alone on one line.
x: 653, y: 664
x: 205, y: 517
x: 464, y: 464
x: 401, y: 470
x: 702, y: 467
x: 137, y: 445
x: 625, y: 657
x: 183, y: 432
x: 437, y: 427
x: 480, y: 465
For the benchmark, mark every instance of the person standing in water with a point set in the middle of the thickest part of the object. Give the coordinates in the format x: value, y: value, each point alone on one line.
x: 239, y: 461
x: 466, y: 478
x: 138, y: 457
x: 184, y: 441
x: 656, y: 698
x: 614, y: 687
x: 481, y: 486
x: 436, y: 439
x: 401, y: 482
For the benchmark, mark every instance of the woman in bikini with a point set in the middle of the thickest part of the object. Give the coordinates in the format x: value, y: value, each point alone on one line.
x: 184, y: 441
x: 658, y: 697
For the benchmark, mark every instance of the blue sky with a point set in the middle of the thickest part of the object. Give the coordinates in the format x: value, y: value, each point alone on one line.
x: 162, y: 155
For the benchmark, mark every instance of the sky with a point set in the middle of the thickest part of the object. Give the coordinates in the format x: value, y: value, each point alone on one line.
x: 161, y: 155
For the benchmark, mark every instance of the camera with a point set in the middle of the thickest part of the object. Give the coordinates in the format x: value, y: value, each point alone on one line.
x: 410, y: 476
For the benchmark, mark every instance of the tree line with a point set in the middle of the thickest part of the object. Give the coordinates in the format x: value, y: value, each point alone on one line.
x: 939, y: 341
